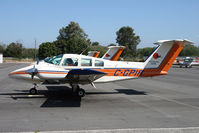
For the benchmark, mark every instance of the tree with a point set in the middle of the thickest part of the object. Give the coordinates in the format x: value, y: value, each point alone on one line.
x: 14, y: 50
x: 76, y: 45
x: 73, y: 29
x: 190, y: 50
x: 95, y: 44
x: 141, y: 52
x: 47, y: 49
x: 127, y: 37
x: 1, y: 49
x: 28, y: 52
x: 61, y: 46
x: 112, y: 44
x: 76, y: 39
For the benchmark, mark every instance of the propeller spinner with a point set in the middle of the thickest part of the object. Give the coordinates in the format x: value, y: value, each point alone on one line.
x: 33, y: 71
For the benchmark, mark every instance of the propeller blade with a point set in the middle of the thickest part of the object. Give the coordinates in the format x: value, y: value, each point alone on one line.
x: 32, y: 71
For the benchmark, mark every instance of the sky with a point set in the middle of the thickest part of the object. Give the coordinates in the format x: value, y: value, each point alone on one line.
x: 152, y: 20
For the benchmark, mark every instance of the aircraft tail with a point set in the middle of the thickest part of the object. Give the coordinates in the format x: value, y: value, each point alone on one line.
x: 93, y: 54
x: 160, y: 61
x: 113, y: 53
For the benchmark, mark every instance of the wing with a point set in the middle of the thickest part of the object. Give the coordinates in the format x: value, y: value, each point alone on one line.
x: 84, y: 76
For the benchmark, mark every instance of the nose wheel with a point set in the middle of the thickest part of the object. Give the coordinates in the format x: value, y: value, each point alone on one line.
x: 33, y: 90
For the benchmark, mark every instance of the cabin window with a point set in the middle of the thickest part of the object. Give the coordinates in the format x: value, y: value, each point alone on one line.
x: 99, y: 63
x: 86, y: 62
x: 70, y: 62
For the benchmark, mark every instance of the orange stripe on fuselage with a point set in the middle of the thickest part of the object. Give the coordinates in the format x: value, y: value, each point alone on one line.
x: 166, y: 64
x: 19, y: 72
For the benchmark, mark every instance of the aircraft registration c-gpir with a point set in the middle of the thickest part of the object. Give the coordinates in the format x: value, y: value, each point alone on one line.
x: 80, y: 69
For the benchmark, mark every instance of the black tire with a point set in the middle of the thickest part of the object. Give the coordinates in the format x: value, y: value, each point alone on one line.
x: 81, y: 92
x: 33, y: 91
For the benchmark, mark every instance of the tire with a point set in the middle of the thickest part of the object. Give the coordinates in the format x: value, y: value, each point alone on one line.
x: 81, y: 92
x: 33, y: 91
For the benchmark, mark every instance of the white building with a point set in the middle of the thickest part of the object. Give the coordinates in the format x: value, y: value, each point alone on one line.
x: 1, y: 58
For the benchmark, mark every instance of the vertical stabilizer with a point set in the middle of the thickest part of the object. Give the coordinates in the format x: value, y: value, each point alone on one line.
x: 160, y: 61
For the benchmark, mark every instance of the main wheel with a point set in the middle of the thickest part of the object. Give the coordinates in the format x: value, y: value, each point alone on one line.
x: 81, y: 92
x: 33, y: 91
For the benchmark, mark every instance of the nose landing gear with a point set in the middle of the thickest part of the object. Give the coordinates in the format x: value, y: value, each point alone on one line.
x: 33, y: 90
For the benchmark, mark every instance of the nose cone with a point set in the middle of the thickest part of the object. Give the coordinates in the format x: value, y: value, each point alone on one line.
x: 20, y: 73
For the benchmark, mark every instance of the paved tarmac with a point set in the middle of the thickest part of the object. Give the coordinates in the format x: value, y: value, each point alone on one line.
x: 170, y: 101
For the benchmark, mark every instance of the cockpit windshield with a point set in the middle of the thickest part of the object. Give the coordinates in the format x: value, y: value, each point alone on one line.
x: 54, y: 60
x: 47, y: 59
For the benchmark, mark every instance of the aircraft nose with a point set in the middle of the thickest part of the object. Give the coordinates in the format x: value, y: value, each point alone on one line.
x: 16, y: 74
x: 20, y: 73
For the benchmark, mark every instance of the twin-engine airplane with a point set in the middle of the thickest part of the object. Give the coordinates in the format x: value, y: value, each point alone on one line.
x: 80, y: 69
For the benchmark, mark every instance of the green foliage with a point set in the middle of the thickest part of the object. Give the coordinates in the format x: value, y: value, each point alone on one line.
x: 95, y: 44
x: 72, y: 39
x: 190, y: 50
x: 126, y: 37
x: 61, y: 46
x: 47, y: 49
x: 112, y: 44
x: 73, y: 29
x: 29, y: 53
x: 1, y: 49
x: 76, y: 45
x: 14, y: 50
x: 101, y: 49
x: 141, y: 52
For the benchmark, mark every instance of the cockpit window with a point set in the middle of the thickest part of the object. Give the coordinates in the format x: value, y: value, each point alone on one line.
x: 47, y: 59
x: 70, y: 62
x: 55, y: 60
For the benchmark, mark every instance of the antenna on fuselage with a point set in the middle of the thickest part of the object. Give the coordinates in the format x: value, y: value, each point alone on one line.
x: 85, y: 50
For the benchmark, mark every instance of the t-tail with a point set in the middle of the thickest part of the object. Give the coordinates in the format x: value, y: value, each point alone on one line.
x: 160, y: 61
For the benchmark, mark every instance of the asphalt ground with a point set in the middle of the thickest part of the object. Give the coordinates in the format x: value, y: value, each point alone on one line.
x: 170, y: 101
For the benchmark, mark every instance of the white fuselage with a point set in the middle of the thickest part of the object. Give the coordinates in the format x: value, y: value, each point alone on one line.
x: 47, y: 71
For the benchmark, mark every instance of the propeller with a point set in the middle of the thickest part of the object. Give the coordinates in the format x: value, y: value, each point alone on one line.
x: 32, y: 71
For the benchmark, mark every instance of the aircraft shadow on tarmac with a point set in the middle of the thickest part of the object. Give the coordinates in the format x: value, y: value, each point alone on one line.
x: 62, y: 96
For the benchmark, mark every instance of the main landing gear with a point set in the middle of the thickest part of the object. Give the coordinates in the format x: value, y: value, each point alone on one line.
x: 77, y: 90
x: 33, y: 90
